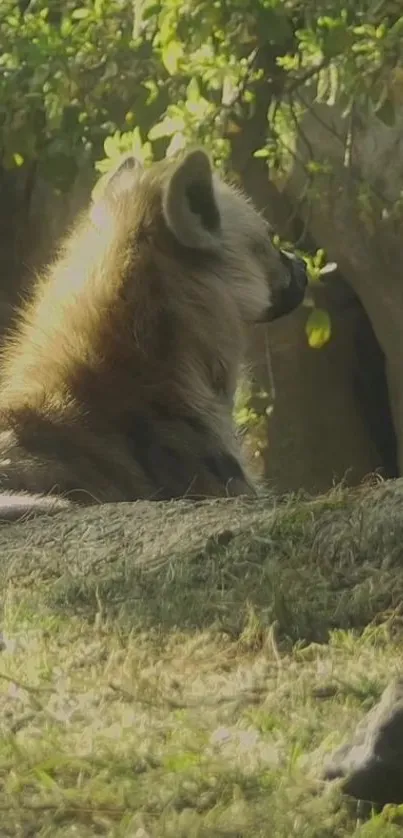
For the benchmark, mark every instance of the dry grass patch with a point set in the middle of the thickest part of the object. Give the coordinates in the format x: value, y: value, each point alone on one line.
x: 196, y: 695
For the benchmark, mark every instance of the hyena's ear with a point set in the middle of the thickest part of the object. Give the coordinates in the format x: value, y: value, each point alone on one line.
x: 189, y: 203
x: 120, y: 177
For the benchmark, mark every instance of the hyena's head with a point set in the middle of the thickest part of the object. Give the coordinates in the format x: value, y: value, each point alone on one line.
x: 199, y: 266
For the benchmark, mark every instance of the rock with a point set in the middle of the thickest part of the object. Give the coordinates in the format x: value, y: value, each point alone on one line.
x: 372, y: 763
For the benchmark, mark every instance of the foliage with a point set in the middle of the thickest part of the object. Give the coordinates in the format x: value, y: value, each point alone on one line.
x: 252, y: 408
x: 318, y: 328
x: 73, y: 73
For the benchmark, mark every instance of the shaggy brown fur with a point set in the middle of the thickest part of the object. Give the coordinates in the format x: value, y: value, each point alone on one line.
x: 118, y: 381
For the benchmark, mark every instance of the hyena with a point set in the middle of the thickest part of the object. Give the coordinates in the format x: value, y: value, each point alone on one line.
x: 117, y: 382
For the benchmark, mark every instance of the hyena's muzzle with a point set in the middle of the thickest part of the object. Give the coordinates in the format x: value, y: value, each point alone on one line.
x: 289, y: 295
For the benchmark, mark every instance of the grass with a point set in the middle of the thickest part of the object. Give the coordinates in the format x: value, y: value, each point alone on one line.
x: 180, y: 671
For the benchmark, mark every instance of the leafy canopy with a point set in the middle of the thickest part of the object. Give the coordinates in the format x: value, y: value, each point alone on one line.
x: 160, y: 74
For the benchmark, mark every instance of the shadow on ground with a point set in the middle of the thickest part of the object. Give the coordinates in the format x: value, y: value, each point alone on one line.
x: 308, y: 565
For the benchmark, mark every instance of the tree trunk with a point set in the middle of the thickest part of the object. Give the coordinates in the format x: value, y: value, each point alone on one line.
x: 353, y: 229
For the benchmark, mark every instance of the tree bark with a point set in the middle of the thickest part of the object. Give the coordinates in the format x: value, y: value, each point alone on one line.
x: 366, y: 245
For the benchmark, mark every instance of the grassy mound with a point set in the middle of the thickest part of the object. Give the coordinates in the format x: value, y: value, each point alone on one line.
x: 182, y: 670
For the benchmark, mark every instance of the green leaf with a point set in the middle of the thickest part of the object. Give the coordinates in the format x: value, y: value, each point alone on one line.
x: 66, y: 27
x: 130, y: 118
x: 262, y: 152
x: 327, y: 269
x: 171, y: 55
x: 142, y: 151
x: 318, y: 328
x: 80, y: 14
x: 193, y: 91
x: 333, y: 85
x: 103, y: 166
x: 166, y: 128
x: 196, y: 104
x: 18, y: 159
x: 111, y: 146
x: 177, y: 143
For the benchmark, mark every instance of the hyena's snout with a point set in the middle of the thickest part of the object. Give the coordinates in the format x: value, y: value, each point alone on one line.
x: 289, y: 294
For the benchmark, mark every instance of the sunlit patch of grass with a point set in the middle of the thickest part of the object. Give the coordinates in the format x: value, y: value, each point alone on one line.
x: 191, y: 733
x: 200, y: 697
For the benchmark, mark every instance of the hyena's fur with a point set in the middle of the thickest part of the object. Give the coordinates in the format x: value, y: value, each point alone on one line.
x: 118, y: 381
